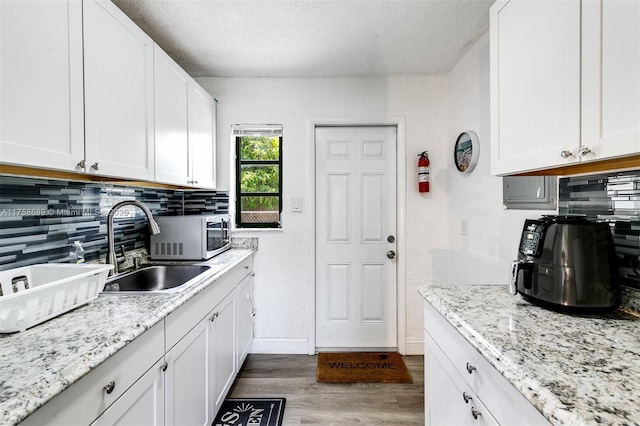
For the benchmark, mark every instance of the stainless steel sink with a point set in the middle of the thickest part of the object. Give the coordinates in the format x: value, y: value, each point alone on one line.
x: 154, y: 279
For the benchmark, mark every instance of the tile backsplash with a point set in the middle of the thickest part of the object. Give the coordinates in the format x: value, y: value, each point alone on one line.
x: 41, y: 218
x: 613, y: 198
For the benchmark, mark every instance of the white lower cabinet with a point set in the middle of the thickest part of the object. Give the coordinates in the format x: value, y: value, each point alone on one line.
x: 120, y: 380
x: 461, y: 387
x: 142, y: 404
x: 447, y: 400
x: 223, y: 349
x: 176, y: 373
x: 189, y: 380
x: 244, y: 318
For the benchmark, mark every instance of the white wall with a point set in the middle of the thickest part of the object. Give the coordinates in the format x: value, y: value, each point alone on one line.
x: 484, y: 255
x: 282, y: 283
x: 435, y: 110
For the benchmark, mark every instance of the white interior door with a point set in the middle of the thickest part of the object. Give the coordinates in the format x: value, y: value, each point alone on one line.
x: 355, y: 231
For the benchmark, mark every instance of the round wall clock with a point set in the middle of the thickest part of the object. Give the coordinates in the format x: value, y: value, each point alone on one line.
x: 466, y: 151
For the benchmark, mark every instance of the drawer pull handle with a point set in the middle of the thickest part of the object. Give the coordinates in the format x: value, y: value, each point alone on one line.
x: 246, y: 267
x: 213, y: 317
x: 470, y: 368
x: 109, y: 387
x: 475, y: 413
x: 466, y: 397
x: 164, y: 367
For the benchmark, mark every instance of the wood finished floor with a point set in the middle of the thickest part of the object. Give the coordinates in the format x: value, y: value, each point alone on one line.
x: 310, y: 403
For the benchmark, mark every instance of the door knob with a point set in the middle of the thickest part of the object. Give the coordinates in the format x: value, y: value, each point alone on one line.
x: 566, y: 154
x: 391, y: 238
x: 391, y: 254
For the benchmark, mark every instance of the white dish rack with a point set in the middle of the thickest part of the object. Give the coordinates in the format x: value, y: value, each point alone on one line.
x: 33, y: 294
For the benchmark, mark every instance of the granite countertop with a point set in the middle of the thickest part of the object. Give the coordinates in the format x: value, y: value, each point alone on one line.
x: 39, y: 363
x: 573, y: 369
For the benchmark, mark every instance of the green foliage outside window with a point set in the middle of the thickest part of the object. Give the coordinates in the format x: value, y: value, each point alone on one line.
x: 259, y: 178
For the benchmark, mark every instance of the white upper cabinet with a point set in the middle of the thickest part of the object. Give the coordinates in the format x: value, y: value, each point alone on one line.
x: 565, y: 82
x: 610, y: 78
x: 41, y: 105
x: 171, y: 120
x: 202, y: 137
x: 118, y: 93
x: 184, y: 126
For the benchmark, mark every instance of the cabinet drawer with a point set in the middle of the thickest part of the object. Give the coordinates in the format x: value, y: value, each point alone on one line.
x: 241, y: 270
x: 504, y: 401
x: 183, y: 319
x: 449, y: 400
x: 85, y: 400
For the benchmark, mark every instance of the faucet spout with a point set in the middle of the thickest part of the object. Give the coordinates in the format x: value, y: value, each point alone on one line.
x: 111, y: 251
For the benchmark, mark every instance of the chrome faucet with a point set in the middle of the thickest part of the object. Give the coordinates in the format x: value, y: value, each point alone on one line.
x: 111, y: 252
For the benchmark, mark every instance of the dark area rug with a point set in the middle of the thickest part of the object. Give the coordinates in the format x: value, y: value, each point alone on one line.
x: 355, y: 367
x: 251, y: 411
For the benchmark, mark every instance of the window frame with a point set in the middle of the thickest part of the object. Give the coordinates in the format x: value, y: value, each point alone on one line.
x: 239, y: 224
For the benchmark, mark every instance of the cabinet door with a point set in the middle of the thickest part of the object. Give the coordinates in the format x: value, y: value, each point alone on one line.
x: 245, y: 313
x: 223, y: 344
x: 189, y: 378
x: 171, y: 123
x: 202, y: 133
x: 142, y: 404
x: 445, y: 402
x: 535, y: 84
x: 41, y: 119
x: 118, y: 93
x: 610, y: 78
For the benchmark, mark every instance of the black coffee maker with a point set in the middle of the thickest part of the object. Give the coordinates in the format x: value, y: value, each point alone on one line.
x: 566, y: 263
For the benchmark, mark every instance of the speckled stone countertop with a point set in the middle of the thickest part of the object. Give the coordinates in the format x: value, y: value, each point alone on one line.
x: 39, y: 363
x: 574, y: 369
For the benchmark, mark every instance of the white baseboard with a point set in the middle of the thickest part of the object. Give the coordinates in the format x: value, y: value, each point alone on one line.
x: 415, y: 348
x: 279, y: 346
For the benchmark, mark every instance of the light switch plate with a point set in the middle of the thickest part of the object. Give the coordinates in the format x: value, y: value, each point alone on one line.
x: 296, y: 204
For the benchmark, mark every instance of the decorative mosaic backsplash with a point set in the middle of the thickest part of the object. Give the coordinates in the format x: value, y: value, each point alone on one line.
x: 41, y: 218
x: 615, y: 199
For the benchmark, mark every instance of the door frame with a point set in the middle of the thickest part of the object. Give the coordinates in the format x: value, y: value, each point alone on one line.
x: 401, y: 215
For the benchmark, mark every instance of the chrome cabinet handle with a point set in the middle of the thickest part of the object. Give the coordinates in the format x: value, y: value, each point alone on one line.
x: 566, y: 153
x: 164, y: 366
x: 466, y: 397
x: 213, y: 317
x: 475, y: 413
x: 95, y: 166
x: 109, y: 387
x: 82, y: 164
x: 391, y: 254
x: 253, y: 311
x: 470, y: 368
x: 584, y: 151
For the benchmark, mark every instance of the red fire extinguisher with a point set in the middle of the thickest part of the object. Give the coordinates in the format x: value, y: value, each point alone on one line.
x: 423, y: 172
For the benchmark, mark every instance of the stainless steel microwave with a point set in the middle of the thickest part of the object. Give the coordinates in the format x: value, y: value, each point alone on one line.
x: 197, y: 237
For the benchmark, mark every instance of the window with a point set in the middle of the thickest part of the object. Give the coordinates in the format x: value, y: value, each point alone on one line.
x: 258, y: 176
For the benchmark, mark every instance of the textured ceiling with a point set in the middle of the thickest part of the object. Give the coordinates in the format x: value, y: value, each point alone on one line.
x: 311, y: 38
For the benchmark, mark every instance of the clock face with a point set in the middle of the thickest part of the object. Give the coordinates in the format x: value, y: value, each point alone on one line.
x: 466, y: 152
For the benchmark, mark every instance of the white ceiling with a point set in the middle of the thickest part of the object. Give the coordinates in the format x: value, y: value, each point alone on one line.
x: 312, y: 38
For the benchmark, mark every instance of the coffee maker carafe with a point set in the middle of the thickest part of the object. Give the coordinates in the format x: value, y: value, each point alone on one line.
x: 566, y: 263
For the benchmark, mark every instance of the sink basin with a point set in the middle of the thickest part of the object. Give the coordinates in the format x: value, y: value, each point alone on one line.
x: 154, y: 279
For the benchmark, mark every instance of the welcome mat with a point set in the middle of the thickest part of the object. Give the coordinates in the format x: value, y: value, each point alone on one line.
x: 251, y: 411
x: 353, y: 367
